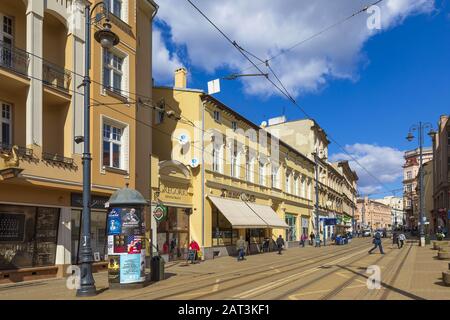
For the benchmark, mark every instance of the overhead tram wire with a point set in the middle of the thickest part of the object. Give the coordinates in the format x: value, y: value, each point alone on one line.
x: 109, y: 106
x: 239, y: 48
x: 282, y: 52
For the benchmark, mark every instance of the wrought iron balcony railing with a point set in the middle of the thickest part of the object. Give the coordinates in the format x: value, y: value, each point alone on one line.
x: 56, y: 76
x: 14, y: 58
x: 56, y: 158
x: 22, y: 152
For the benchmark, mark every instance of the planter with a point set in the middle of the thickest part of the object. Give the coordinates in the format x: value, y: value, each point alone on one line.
x: 437, y: 245
x: 443, y: 255
x: 446, y: 278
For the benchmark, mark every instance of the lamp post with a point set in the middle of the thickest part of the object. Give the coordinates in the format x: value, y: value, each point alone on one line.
x: 316, y: 162
x: 420, y: 127
x: 107, y: 39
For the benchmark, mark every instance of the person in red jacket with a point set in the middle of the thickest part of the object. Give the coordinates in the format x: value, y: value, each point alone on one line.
x: 194, y: 246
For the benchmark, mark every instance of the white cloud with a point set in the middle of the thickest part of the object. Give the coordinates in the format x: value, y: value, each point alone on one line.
x: 385, y: 163
x: 164, y: 63
x: 265, y: 27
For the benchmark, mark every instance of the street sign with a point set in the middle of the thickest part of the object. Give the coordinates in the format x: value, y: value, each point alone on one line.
x: 214, y: 86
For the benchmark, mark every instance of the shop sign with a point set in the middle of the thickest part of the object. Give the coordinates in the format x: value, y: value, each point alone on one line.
x: 174, y: 193
x: 238, y: 195
x: 160, y: 212
x: 330, y: 221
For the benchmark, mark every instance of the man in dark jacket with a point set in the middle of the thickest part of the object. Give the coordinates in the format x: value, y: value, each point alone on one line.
x: 280, y: 243
x: 377, y: 243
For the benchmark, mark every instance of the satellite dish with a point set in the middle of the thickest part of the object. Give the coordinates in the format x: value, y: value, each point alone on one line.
x: 194, y: 163
x: 183, y: 139
x: 263, y: 124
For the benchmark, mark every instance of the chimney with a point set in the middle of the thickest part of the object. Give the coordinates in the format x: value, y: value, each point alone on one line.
x: 181, y: 78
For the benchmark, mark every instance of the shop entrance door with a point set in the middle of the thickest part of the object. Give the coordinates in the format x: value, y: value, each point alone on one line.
x: 178, y: 245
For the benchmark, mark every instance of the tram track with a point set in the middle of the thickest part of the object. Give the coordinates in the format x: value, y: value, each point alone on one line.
x: 292, y: 264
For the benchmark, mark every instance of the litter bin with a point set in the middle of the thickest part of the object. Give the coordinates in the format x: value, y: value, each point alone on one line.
x: 157, y: 268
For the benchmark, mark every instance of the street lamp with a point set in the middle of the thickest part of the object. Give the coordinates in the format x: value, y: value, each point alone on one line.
x: 107, y: 40
x: 420, y: 127
x: 316, y: 162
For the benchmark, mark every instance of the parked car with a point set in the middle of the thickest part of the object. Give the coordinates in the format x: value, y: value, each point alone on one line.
x: 366, y: 233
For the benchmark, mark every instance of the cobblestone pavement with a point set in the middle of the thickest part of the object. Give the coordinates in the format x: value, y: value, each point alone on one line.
x: 332, y: 272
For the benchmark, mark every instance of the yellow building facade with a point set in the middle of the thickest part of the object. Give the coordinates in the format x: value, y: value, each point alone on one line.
x: 222, y: 177
x: 41, y: 73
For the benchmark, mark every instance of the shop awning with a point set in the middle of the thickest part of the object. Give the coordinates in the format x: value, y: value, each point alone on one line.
x: 268, y: 215
x: 238, y: 213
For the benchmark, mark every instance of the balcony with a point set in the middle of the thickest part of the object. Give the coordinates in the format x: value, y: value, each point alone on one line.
x: 56, y: 76
x: 22, y: 152
x: 14, y: 59
x: 56, y: 159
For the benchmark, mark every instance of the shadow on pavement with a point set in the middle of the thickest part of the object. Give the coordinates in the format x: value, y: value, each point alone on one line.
x: 387, y: 286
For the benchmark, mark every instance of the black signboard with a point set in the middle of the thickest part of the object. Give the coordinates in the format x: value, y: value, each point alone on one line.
x: 97, y: 202
x: 12, y: 227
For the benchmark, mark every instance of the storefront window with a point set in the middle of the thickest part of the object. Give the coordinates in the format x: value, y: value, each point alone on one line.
x: 28, y: 236
x: 222, y: 231
x: 255, y: 236
x: 291, y: 233
x: 173, y: 233
x: 98, y: 233
x: 305, y: 226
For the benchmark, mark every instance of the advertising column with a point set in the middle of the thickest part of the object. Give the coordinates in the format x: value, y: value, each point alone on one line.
x: 126, y: 240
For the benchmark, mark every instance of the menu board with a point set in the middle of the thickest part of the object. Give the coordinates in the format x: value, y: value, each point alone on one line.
x: 12, y: 227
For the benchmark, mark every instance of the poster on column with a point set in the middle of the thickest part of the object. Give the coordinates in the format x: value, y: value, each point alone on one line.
x: 130, y: 268
x: 114, y: 269
x: 132, y: 222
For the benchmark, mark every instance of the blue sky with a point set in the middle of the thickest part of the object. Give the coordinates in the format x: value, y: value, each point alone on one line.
x: 396, y: 78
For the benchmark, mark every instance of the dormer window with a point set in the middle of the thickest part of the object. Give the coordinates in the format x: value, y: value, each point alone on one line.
x: 217, y: 116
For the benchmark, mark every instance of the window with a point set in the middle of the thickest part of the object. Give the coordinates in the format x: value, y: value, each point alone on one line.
x: 275, y: 180
x: 113, y: 72
x: 234, y: 125
x: 235, y: 164
x: 6, y: 124
x: 117, y: 8
x: 308, y: 190
x: 291, y: 233
x: 6, y: 38
x: 262, y: 173
x: 409, y: 175
x: 222, y: 231
x: 249, y: 169
x: 296, y: 190
x: 217, y: 159
x: 113, y: 146
x: 303, y: 190
x: 409, y: 188
x: 28, y: 236
x: 217, y: 115
x: 288, y: 182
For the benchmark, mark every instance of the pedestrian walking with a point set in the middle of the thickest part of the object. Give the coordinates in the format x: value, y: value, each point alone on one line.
x: 241, y: 246
x: 303, y: 239
x: 280, y: 243
x: 401, y: 240
x: 311, y: 237
x: 377, y: 243
x: 395, y: 237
